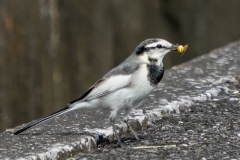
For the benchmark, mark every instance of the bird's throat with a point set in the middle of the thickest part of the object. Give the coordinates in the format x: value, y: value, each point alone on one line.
x: 152, y: 60
x: 155, y: 73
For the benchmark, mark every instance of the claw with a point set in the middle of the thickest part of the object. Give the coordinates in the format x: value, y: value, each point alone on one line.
x: 118, y: 145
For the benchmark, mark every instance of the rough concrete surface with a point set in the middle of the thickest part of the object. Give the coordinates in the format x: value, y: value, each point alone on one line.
x: 193, y: 114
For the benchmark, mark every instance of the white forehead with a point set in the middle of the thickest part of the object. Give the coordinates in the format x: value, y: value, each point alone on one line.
x: 161, y: 42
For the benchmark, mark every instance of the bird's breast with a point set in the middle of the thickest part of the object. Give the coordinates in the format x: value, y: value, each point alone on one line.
x: 143, y: 80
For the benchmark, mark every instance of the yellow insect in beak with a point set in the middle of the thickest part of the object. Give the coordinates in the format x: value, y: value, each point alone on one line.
x: 182, y: 49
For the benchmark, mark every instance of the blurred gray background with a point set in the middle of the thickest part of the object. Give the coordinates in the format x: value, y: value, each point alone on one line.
x: 51, y: 51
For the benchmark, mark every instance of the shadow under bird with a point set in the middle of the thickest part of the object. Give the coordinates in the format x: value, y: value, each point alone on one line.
x: 123, y: 87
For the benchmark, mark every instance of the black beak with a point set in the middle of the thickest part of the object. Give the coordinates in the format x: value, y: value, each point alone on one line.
x: 173, y: 47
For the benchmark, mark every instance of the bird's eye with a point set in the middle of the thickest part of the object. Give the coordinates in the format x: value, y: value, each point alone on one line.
x: 159, y: 46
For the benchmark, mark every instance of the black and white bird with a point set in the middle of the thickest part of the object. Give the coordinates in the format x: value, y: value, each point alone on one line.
x: 125, y: 86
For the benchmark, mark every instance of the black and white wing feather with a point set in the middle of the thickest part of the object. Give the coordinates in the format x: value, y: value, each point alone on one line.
x: 118, y: 78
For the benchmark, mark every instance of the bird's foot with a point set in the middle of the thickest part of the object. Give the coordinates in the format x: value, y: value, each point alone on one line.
x: 118, y: 144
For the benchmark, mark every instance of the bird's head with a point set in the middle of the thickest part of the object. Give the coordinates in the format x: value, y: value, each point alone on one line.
x: 153, y: 50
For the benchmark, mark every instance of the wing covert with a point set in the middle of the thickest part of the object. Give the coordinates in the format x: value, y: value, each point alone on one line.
x: 118, y: 78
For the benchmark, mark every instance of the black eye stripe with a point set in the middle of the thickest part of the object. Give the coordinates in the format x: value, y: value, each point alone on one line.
x: 159, y: 46
x: 142, y: 49
x: 149, y: 48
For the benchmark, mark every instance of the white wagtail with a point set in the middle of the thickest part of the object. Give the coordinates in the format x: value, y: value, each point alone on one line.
x: 125, y: 86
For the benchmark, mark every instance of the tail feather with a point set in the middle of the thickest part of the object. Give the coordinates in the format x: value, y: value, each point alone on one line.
x: 41, y: 120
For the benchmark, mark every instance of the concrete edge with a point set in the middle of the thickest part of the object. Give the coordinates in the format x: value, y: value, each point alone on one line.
x: 85, y: 144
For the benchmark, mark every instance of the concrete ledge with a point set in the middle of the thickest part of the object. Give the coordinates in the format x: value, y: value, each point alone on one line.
x: 57, y: 151
x: 198, y: 81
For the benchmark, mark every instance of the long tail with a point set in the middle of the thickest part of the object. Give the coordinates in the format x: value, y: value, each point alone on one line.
x: 41, y: 120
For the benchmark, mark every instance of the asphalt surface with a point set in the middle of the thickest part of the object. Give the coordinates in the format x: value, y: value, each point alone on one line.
x: 209, y: 130
x: 193, y: 114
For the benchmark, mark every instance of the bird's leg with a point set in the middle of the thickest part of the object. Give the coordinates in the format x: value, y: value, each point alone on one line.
x: 126, y: 117
x: 115, y: 133
x: 135, y: 135
x: 112, y: 120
